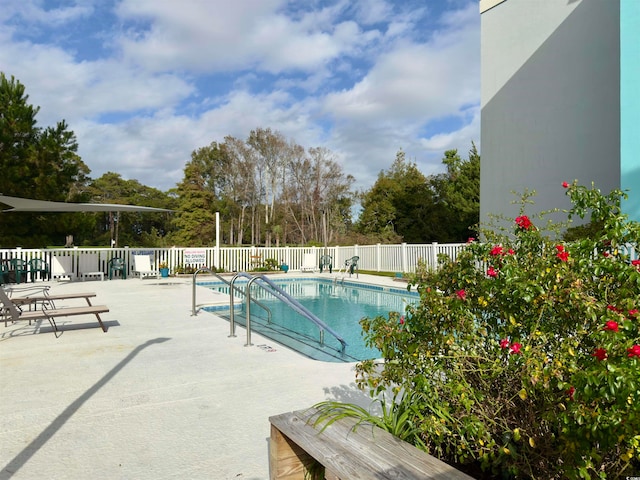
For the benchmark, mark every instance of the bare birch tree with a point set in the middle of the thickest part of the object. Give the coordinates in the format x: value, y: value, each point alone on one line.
x: 241, y: 188
x: 271, y: 152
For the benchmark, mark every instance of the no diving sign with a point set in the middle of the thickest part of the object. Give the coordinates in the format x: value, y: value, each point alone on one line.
x: 195, y: 257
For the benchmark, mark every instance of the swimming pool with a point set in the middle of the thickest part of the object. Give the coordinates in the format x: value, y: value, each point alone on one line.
x: 340, y: 305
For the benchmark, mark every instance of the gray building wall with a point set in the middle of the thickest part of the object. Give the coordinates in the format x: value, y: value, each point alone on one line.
x: 550, y: 100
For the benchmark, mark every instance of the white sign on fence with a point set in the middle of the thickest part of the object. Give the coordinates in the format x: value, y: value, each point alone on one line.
x: 195, y: 256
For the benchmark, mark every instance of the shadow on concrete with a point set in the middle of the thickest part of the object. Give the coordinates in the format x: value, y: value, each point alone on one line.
x: 349, y: 394
x: 42, y: 327
x: 63, y: 327
x: 23, y: 457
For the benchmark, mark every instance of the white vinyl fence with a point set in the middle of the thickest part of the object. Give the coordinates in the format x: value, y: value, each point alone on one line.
x: 400, y: 258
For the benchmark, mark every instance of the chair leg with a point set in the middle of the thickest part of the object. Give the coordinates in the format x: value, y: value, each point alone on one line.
x: 102, y: 325
x: 56, y: 332
x: 52, y: 321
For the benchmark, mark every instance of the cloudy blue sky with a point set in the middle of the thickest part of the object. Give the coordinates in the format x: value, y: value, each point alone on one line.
x: 143, y: 83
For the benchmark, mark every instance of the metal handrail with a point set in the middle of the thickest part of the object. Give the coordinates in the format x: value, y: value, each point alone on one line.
x: 193, y: 293
x: 232, y: 288
x: 247, y: 290
x: 232, y: 318
x: 293, y: 303
x: 231, y: 303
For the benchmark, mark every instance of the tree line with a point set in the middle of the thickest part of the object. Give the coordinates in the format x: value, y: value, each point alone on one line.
x: 268, y: 189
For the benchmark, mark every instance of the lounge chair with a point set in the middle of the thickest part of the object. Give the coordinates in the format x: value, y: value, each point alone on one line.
x: 12, y: 310
x: 115, y: 265
x: 38, y: 266
x: 326, y: 261
x: 142, y: 267
x: 308, y: 262
x: 62, y: 267
x: 46, y: 299
x: 32, y: 296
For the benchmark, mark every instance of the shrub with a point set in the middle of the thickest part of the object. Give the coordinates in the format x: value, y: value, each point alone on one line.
x: 525, y: 349
x: 269, y: 265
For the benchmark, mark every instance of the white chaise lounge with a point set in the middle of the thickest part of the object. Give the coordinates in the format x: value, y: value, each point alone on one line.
x: 62, y: 267
x: 142, y: 267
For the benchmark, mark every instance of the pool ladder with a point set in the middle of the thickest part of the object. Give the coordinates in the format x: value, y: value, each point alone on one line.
x: 232, y: 289
x: 287, y: 299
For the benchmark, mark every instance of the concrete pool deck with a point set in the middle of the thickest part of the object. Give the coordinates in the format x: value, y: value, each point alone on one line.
x: 161, y: 395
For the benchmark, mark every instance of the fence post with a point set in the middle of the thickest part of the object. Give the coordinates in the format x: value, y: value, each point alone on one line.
x: 216, y: 255
x: 434, y: 255
x: 403, y: 253
x: 75, y: 262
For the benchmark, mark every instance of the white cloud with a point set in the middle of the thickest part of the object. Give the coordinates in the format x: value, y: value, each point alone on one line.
x: 219, y: 35
x: 374, y: 11
x: 153, y: 150
x: 72, y: 90
x: 416, y: 81
x: 459, y: 139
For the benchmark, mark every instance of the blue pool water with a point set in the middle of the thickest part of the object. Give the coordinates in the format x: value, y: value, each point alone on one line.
x: 340, y: 305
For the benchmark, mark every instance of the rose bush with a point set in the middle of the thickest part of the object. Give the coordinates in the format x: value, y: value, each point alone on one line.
x: 524, y: 351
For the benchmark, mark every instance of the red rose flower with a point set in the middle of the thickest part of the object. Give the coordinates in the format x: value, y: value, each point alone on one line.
x: 523, y: 222
x: 497, y: 250
x: 611, y: 326
x: 600, y: 354
x: 515, y: 348
x: 492, y: 272
x: 571, y: 391
x: 565, y: 185
x: 634, y: 351
x: 504, y: 343
x: 563, y: 256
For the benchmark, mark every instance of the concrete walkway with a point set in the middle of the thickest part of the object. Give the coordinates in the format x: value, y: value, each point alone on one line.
x: 162, y: 395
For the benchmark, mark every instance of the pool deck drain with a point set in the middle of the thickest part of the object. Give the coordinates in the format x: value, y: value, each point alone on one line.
x: 162, y: 395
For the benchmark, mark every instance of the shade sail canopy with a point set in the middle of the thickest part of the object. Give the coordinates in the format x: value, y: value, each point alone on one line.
x: 28, y: 205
